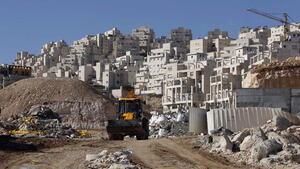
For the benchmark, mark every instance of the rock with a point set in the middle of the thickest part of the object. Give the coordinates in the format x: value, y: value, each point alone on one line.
x: 267, y: 162
x: 281, y: 123
x: 103, y: 153
x: 290, y: 138
x: 262, y: 150
x: 225, y: 143
x: 208, y: 139
x: 222, y: 130
x: 250, y: 141
x: 293, y: 129
x: 90, y: 157
x: 162, y: 132
x: 259, y: 132
x: 238, y: 139
x: 277, y: 137
x: 116, y: 160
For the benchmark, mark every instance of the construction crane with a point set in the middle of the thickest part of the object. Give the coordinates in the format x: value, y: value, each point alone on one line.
x: 283, y: 21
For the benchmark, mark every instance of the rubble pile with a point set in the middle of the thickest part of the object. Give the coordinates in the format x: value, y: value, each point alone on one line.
x: 76, y: 102
x: 3, y: 130
x: 116, y: 160
x: 41, y: 121
x: 168, y: 124
x: 275, y: 144
x: 284, y: 74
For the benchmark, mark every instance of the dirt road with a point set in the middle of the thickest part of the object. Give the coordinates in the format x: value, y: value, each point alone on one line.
x: 153, y: 153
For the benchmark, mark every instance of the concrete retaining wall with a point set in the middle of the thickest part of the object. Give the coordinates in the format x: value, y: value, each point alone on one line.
x: 237, y: 119
x: 285, y: 98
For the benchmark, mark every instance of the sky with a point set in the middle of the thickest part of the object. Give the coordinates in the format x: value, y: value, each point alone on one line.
x: 26, y: 25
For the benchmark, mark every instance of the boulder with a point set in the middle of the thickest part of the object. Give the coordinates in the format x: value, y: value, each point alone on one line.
x: 277, y: 137
x: 262, y: 150
x: 225, y: 143
x: 238, y: 139
x: 250, y: 141
x: 281, y: 123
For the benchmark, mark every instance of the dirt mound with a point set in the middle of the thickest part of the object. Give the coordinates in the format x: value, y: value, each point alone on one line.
x: 70, y: 98
x: 283, y: 74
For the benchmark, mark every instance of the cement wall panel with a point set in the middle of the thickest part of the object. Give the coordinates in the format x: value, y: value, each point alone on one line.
x: 237, y: 119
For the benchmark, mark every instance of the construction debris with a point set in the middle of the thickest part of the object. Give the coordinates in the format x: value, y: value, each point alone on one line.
x: 116, y: 160
x: 42, y: 121
x: 275, y: 144
x: 76, y: 102
x: 169, y: 124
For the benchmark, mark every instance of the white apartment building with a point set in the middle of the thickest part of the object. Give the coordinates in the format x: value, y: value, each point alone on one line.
x: 236, y: 59
x: 198, y: 46
x: 181, y: 38
x: 124, y: 43
x: 215, y: 42
x: 186, y: 84
x: 290, y: 47
x: 146, y: 36
x: 158, y: 42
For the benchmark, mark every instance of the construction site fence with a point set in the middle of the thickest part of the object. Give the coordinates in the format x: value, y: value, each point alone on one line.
x: 236, y: 119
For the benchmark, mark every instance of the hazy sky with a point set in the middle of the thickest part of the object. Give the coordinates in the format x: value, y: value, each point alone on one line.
x: 26, y: 25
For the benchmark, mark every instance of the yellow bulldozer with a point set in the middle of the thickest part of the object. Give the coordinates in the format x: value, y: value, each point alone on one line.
x: 131, y: 120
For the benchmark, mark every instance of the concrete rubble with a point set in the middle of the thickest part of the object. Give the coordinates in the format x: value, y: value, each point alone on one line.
x: 275, y: 144
x: 39, y: 121
x: 168, y: 124
x: 106, y: 160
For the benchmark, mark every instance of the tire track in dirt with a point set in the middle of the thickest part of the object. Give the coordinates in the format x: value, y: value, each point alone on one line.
x: 165, y: 153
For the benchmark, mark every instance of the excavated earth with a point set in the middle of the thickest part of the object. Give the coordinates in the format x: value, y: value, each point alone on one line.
x: 77, y: 103
x: 285, y: 74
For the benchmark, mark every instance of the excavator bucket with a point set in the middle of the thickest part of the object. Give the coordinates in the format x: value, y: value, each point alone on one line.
x: 120, y: 128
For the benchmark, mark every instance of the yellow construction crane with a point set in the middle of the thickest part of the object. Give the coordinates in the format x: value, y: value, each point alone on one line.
x: 284, y: 21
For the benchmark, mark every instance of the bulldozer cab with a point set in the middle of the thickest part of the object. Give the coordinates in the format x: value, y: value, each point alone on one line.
x: 131, y: 119
x: 130, y: 108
